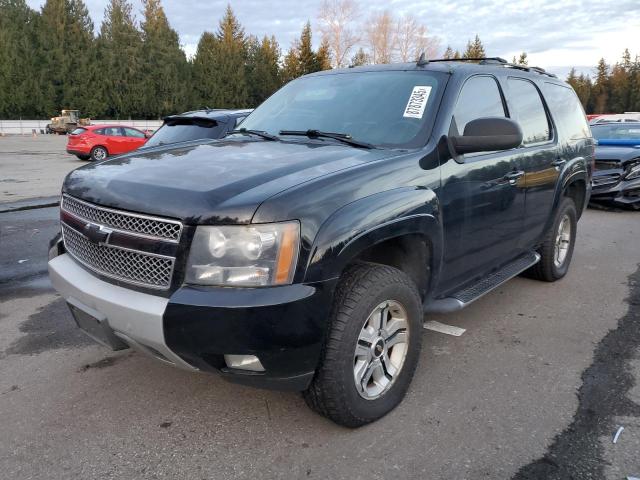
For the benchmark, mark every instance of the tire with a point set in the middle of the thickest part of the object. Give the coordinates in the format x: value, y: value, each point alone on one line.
x: 99, y: 153
x: 364, y: 290
x: 549, y: 269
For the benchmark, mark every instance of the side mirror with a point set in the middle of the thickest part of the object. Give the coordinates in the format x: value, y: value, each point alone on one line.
x: 487, y: 135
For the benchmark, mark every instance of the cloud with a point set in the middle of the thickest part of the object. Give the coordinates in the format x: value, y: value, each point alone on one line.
x: 555, y: 33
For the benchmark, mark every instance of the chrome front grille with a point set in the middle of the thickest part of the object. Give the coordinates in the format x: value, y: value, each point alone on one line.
x: 127, y: 265
x: 129, y: 222
x: 112, y: 258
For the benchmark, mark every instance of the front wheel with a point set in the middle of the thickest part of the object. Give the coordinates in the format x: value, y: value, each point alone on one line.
x: 372, y: 347
x: 99, y: 153
x: 557, y: 248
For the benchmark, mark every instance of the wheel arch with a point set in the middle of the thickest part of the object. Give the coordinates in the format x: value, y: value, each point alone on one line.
x: 399, y: 228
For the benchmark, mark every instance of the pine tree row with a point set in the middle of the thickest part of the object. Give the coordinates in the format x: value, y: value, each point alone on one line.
x: 51, y: 59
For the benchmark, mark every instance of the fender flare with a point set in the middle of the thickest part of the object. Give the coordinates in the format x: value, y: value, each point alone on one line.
x: 371, y: 220
x: 575, y: 171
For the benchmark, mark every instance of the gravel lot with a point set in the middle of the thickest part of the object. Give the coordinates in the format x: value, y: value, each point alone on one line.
x: 33, y: 166
x: 536, y: 387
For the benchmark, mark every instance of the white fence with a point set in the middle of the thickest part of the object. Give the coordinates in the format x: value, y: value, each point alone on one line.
x: 26, y: 127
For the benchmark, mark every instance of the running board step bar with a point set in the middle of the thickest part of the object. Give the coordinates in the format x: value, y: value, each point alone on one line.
x: 470, y: 294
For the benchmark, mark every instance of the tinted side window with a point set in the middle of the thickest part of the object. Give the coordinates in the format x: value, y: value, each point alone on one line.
x: 526, y: 107
x: 132, y: 132
x: 567, y: 111
x: 99, y: 131
x: 112, y: 132
x: 479, y: 97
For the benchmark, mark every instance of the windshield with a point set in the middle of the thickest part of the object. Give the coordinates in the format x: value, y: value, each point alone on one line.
x: 183, y: 130
x: 392, y: 108
x: 616, y: 132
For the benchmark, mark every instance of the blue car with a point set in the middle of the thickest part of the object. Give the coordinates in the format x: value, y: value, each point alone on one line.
x: 616, y: 179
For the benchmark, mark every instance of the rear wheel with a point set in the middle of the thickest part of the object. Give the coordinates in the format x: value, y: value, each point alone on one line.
x: 99, y: 153
x: 372, y: 348
x: 557, y: 249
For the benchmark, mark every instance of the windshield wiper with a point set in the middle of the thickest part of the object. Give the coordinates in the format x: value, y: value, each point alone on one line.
x: 342, y: 137
x: 257, y: 133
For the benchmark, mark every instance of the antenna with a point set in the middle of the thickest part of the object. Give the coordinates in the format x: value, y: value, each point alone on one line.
x: 422, y: 61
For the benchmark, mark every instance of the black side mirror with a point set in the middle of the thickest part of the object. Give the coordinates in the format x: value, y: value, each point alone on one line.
x: 487, y: 135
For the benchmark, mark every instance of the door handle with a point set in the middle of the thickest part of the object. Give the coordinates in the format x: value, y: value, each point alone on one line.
x: 513, y: 177
x: 559, y: 163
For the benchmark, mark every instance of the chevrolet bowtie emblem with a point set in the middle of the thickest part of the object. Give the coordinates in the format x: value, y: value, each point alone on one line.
x: 97, y: 233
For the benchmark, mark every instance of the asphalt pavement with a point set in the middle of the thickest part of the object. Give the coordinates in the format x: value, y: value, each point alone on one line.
x: 536, y: 387
x: 32, y: 169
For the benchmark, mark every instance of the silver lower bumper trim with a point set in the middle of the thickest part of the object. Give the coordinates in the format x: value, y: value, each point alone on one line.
x: 135, y: 317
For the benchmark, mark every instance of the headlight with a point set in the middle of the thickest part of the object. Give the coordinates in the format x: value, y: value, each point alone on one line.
x: 634, y: 172
x: 244, y: 256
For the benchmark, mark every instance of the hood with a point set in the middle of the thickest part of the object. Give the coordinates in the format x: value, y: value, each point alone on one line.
x: 619, y: 153
x: 219, y: 181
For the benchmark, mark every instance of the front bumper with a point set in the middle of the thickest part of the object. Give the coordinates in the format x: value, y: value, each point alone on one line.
x: 624, y: 193
x: 194, y: 328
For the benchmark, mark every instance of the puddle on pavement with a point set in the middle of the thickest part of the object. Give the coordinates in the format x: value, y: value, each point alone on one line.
x: 50, y: 328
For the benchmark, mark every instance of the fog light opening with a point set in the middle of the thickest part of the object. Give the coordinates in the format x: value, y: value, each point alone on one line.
x: 244, y: 362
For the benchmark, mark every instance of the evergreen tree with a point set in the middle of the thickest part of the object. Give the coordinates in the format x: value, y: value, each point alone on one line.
x: 360, y: 58
x: 323, y: 57
x: 204, y: 72
x: 522, y: 60
x: 291, y: 64
x: 67, y: 47
x: 307, y: 60
x: 119, y: 53
x: 263, y: 71
x: 21, y: 79
x: 164, y: 64
x: 448, y: 53
x: 301, y: 59
x: 474, y: 49
x: 230, y: 56
x: 601, y: 88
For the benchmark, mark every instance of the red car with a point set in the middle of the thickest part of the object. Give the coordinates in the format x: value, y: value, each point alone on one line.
x: 97, y: 142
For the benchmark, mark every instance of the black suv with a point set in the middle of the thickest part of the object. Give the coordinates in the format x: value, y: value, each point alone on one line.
x: 303, y: 251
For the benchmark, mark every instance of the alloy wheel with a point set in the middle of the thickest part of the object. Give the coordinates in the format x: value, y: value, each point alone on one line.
x: 381, y: 350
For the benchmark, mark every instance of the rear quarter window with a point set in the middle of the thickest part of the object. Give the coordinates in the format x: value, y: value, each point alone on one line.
x: 526, y: 107
x: 566, y: 111
x: 78, y: 131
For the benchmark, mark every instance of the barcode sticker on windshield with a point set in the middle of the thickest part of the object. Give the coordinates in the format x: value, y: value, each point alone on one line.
x: 417, y: 101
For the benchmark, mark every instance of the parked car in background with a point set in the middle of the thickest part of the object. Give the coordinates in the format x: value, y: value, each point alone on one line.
x: 97, y: 142
x: 616, y: 178
x: 614, y: 117
x: 196, y: 125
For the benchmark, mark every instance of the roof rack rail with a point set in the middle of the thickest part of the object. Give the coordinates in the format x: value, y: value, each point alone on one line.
x: 493, y: 61
x: 474, y: 59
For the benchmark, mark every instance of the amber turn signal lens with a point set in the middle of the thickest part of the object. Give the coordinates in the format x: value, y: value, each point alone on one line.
x: 287, y: 255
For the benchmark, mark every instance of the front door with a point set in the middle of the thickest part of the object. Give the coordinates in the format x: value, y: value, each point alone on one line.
x: 483, y: 198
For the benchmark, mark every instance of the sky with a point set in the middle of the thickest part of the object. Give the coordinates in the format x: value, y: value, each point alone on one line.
x: 556, y: 34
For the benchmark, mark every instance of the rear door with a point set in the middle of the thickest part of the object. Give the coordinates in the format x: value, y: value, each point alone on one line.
x: 538, y: 153
x: 483, y: 202
x: 134, y: 138
x: 115, y: 140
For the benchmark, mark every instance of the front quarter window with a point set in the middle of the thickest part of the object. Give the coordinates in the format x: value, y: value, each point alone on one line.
x: 384, y: 108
